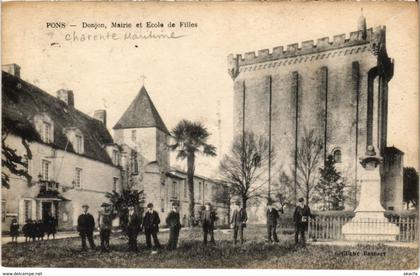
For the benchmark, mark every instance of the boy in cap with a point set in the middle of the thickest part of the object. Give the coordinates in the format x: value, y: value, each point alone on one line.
x: 151, y: 226
x: 105, y: 225
x: 174, y: 223
x: 301, y: 218
x: 85, y: 226
x: 207, y: 221
x: 133, y: 228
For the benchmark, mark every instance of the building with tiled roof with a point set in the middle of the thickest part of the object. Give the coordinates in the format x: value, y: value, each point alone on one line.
x: 73, y: 159
x: 76, y: 161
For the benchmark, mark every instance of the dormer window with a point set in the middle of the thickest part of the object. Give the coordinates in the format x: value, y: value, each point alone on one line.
x: 114, y: 153
x: 75, y: 137
x: 46, y: 132
x: 79, y: 144
x: 45, y: 127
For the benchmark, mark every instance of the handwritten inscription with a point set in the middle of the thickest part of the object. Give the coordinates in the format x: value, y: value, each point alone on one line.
x: 81, y: 37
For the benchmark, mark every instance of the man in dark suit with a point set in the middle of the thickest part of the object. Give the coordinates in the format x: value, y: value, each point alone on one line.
x: 85, y: 226
x: 151, y: 226
x: 133, y: 228
x: 207, y: 221
x: 301, y: 218
x: 272, y: 218
x: 238, y: 222
x: 174, y: 223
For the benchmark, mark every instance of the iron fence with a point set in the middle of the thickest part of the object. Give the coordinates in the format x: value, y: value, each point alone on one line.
x: 329, y: 228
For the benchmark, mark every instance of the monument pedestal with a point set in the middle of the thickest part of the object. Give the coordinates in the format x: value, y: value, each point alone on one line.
x: 369, y: 222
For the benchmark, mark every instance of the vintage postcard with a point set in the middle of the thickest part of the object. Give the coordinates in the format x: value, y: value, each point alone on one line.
x: 210, y: 135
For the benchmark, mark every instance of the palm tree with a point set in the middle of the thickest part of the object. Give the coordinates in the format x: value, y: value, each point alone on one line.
x: 190, y: 139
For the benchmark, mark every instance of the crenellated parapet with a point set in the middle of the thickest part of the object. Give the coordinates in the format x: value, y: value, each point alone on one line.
x: 374, y: 37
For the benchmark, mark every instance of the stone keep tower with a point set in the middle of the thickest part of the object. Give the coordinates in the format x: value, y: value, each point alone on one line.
x: 338, y: 89
x: 143, y: 136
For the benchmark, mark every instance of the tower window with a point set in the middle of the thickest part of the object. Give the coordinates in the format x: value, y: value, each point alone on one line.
x: 337, y: 156
x: 134, y: 164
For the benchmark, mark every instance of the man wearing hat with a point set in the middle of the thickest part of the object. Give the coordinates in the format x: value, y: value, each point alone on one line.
x: 272, y: 217
x: 151, y: 226
x: 301, y: 218
x: 174, y: 223
x: 238, y: 222
x: 85, y: 226
x: 105, y: 225
x: 133, y: 228
x: 207, y: 221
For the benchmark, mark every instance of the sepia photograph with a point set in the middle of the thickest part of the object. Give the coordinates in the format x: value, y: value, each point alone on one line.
x: 248, y: 135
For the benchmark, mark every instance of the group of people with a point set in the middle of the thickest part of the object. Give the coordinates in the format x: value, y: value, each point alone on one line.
x: 34, y: 230
x: 134, y: 223
x: 149, y: 224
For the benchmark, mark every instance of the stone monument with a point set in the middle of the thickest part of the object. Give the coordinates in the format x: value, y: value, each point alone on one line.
x: 369, y: 222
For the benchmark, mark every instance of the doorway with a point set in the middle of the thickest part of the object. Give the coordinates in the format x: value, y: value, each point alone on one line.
x: 46, y: 210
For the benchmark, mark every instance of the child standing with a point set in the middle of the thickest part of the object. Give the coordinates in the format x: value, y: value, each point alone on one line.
x: 14, y: 230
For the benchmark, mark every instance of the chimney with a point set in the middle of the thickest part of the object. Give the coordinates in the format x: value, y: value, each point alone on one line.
x: 12, y: 69
x: 100, y: 115
x: 66, y: 96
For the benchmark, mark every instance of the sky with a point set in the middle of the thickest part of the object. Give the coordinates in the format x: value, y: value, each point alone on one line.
x: 187, y: 77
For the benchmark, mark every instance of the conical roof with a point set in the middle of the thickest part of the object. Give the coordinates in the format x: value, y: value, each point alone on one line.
x: 141, y: 113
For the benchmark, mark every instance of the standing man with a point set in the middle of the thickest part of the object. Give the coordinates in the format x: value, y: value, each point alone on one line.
x: 272, y: 217
x: 133, y: 228
x: 207, y: 221
x: 105, y: 225
x: 151, y: 226
x: 174, y: 223
x: 85, y: 226
x: 301, y: 218
x: 238, y: 222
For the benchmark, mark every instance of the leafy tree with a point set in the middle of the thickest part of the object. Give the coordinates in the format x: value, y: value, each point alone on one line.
x: 245, y: 168
x: 120, y: 202
x: 330, y: 186
x: 308, y: 157
x: 410, y: 186
x: 190, y: 140
x: 14, y: 163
